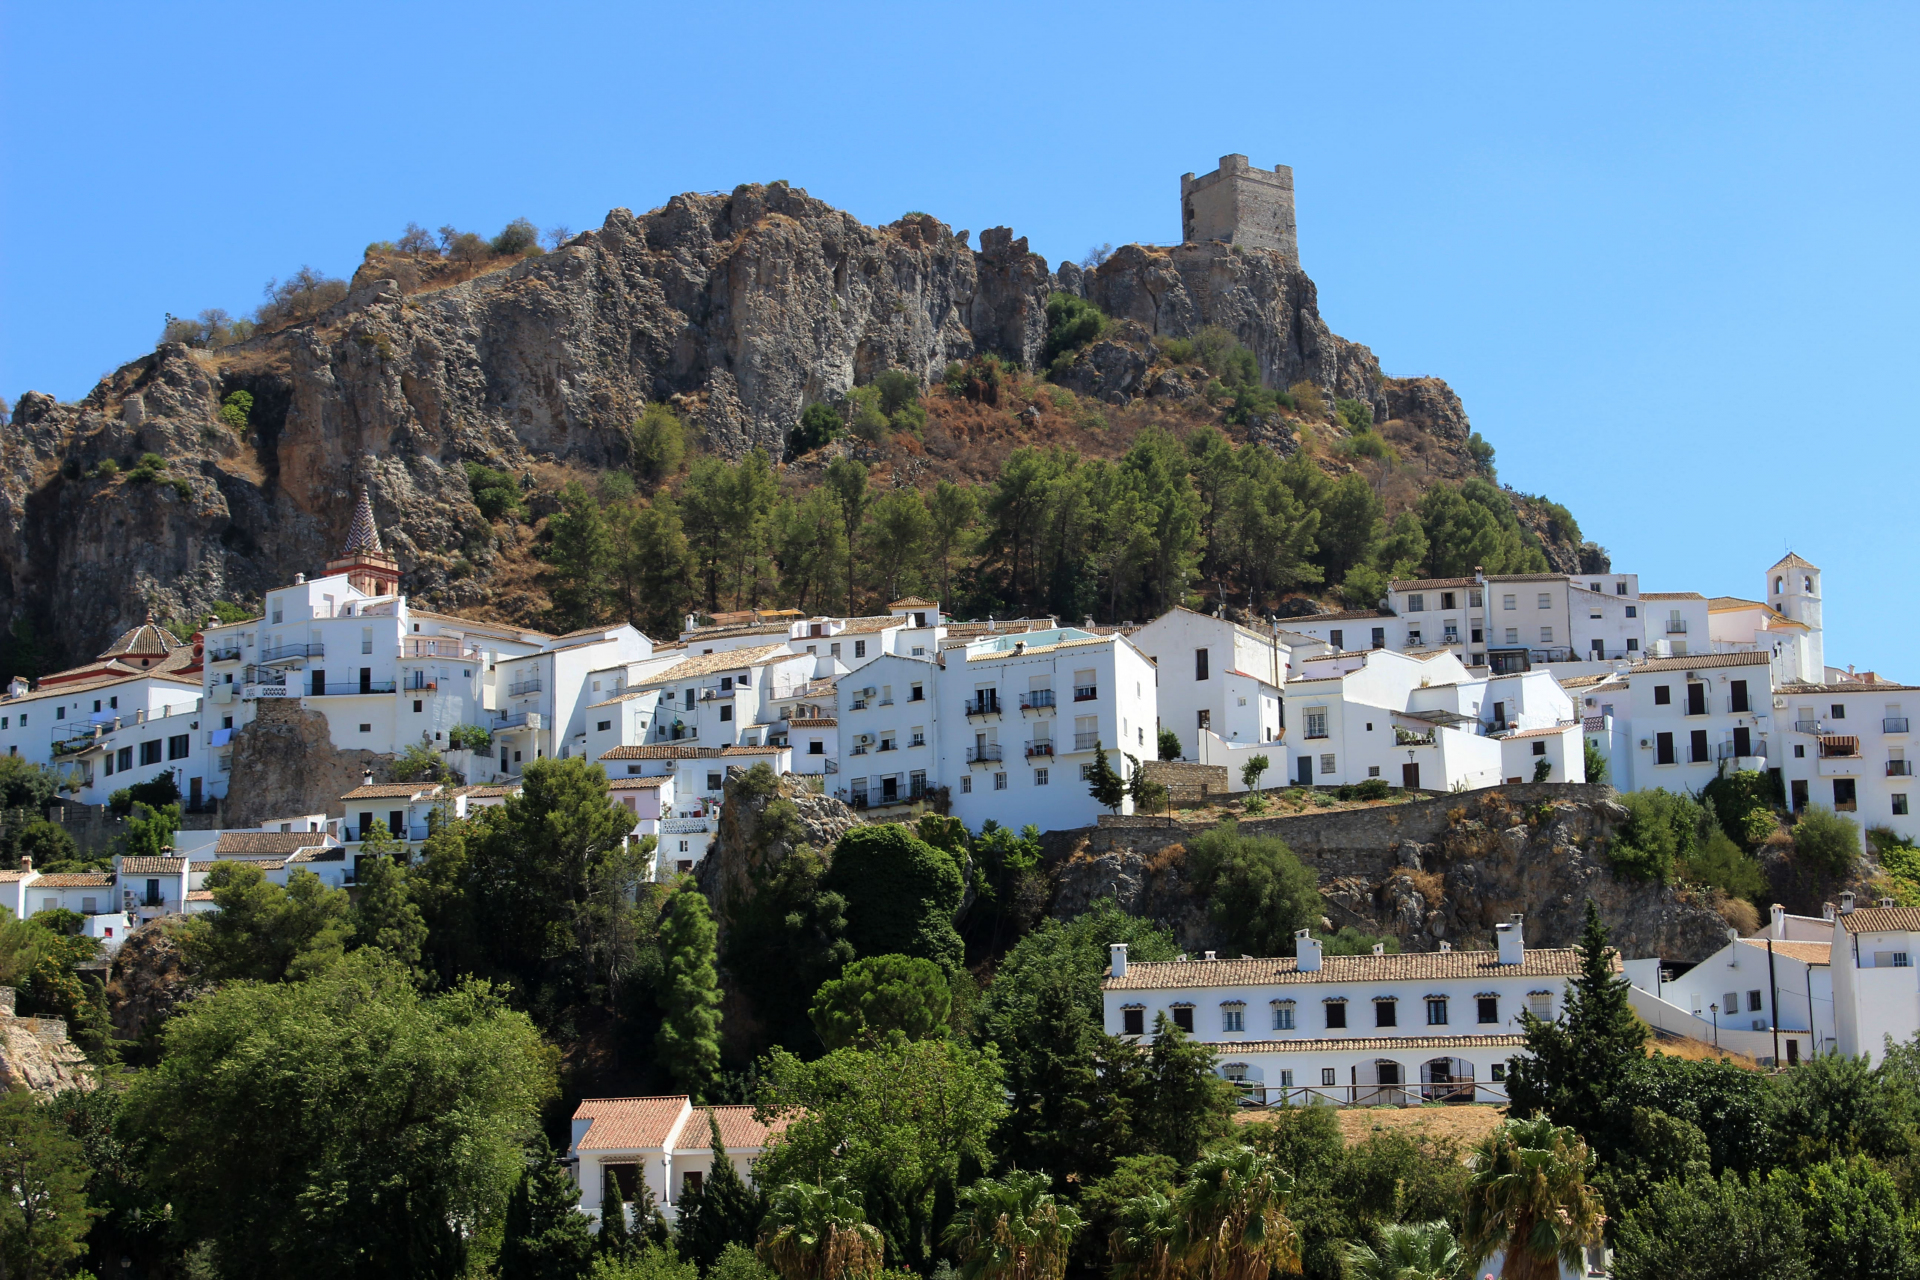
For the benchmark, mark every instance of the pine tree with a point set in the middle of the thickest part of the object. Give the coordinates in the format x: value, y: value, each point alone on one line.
x: 723, y: 1211
x: 689, y: 1038
x: 545, y: 1239
x: 615, y: 1240
x: 1577, y: 1067
x: 1103, y: 783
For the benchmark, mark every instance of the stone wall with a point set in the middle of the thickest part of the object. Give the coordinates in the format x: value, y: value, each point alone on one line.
x: 1240, y: 204
x: 36, y: 1055
x: 1186, y: 783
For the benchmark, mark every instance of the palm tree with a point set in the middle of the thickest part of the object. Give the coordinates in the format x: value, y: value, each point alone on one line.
x: 1148, y: 1243
x: 1529, y: 1196
x: 1233, y: 1217
x: 1408, y: 1251
x: 815, y: 1232
x: 1011, y: 1229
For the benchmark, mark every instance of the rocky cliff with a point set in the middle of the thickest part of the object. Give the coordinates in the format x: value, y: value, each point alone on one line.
x: 740, y: 308
x: 36, y: 1055
x: 1428, y: 871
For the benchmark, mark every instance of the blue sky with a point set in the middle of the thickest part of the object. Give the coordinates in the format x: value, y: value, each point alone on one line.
x: 1666, y: 254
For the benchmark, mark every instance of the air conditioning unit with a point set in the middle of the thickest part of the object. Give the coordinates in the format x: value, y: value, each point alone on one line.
x: 1779, y: 704
x: 1644, y: 744
x: 863, y: 738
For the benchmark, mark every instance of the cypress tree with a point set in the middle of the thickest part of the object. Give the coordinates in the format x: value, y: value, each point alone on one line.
x: 689, y: 1039
x: 615, y: 1240
x: 1103, y: 783
x: 725, y: 1210
x: 545, y: 1238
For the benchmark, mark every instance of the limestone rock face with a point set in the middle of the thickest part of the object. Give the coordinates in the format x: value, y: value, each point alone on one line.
x: 36, y: 1055
x: 748, y: 839
x: 148, y: 980
x: 285, y: 763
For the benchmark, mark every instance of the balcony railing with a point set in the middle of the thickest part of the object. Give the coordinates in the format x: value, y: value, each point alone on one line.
x: 519, y: 719
x: 347, y: 688
x: 984, y: 705
x: 1894, y: 724
x: 1899, y: 768
x: 1085, y: 741
x: 1036, y: 698
x: 225, y: 653
x: 293, y: 652
x: 422, y: 647
x: 1039, y: 749
x: 1676, y: 626
x: 519, y: 687
x: 1840, y: 751
x: 418, y: 682
x: 1806, y: 726
x: 833, y: 766
x: 1733, y: 751
x: 278, y: 690
x: 253, y: 673
x: 859, y: 749
x: 685, y: 826
x: 889, y: 745
x: 1085, y: 692
x: 982, y: 755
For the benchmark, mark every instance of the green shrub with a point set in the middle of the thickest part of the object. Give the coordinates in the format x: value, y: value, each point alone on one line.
x: 237, y: 410
x: 869, y: 422
x: 496, y: 493
x: 107, y: 469
x: 147, y: 470
x: 1351, y: 942
x: 468, y: 737
x: 1481, y: 452
x: 819, y: 423
x: 1071, y: 324
x: 901, y: 895
x: 1724, y: 865
x: 1258, y: 893
x: 979, y: 379
x: 1366, y: 444
x: 1177, y: 350
x: 1542, y: 769
x: 1169, y: 745
x: 1370, y: 789
x: 1662, y: 828
x: 657, y: 445
x: 897, y: 388
x: 1743, y: 801
x: 617, y: 487
x: 181, y: 488
x: 1357, y: 414
x: 1826, y: 842
x: 1596, y: 764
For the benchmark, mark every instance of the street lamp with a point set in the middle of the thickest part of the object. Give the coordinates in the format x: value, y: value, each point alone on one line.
x: 1716, y: 1024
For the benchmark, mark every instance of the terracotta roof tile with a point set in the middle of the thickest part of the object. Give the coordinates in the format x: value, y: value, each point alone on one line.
x: 75, y: 880
x: 1671, y: 595
x: 1692, y: 662
x: 1806, y: 952
x: 239, y: 843
x: 392, y: 791
x: 912, y: 602
x: 706, y: 664
x: 152, y: 866
x: 639, y: 784
x: 1339, y: 615
x: 815, y: 722
x: 199, y: 895
x: 660, y: 751
x: 1432, y: 584
x: 1550, y: 732
x: 625, y: 1124
x: 1882, y: 920
x: 738, y: 1129
x: 1539, y: 962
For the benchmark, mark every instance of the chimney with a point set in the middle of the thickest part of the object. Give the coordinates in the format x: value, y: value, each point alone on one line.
x: 1379, y: 948
x: 1511, y: 940
x: 1846, y: 902
x: 1883, y: 902
x: 1119, y: 950
x: 1826, y: 911
x: 1779, y: 921
x: 1307, y: 948
x: 299, y: 579
x: 366, y: 779
x: 1210, y: 955
x: 26, y: 865
x: 1446, y: 946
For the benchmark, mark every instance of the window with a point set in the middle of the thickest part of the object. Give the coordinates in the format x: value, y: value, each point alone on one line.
x: 859, y: 648
x: 726, y: 712
x: 816, y: 748
x: 1436, y: 1011
x: 833, y: 650
x: 1513, y: 635
x: 1199, y: 664
x: 1838, y: 711
x: 966, y: 782
x: 1696, y: 699
x: 1633, y: 644
x: 1754, y: 1001
x: 1326, y: 765
x: 1337, y: 1014
x: 714, y: 782
x: 1327, y: 1077
x: 1546, y: 635
x: 1799, y: 751
x: 1697, y: 747
x: 1183, y: 1018
x: 150, y: 752
x: 1633, y: 611
x: 915, y: 693
x: 1379, y: 637
x: 125, y: 755
x: 1446, y: 599
x: 1286, y: 1077
x: 1737, y: 696
x: 599, y: 726
x: 1488, y: 1008
x: 1539, y: 748
x: 1233, y: 1020
x: 1385, y: 1013
x: 178, y: 746
x: 1283, y: 1017
x: 1899, y: 803
x: 1499, y: 1071
x: 1662, y: 695
x: 999, y: 782
x: 1542, y: 1003
x: 1317, y: 722
x: 1509, y: 602
x: 416, y: 709
x: 1039, y: 777
x: 1416, y: 603
x: 919, y: 738
x: 1730, y: 1003
x: 1546, y: 601
x: 1663, y: 748
x: 1337, y: 638
x: 1133, y: 1022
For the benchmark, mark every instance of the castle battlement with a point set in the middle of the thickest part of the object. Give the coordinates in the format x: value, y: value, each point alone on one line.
x: 1240, y: 204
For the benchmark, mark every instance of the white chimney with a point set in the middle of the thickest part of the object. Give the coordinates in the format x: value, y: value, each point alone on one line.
x: 1307, y: 948
x: 1883, y: 902
x: 299, y: 579
x: 1119, y: 950
x: 1446, y: 946
x: 366, y: 779
x: 1210, y: 955
x: 1846, y: 902
x: 1511, y: 940
x: 1826, y: 911
x: 16, y: 687
x: 1779, y: 921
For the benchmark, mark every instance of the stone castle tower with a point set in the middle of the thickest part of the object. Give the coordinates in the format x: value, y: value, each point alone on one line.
x: 1239, y: 204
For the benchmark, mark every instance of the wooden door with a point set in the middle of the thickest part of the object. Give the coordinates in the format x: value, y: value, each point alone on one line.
x: 1410, y: 775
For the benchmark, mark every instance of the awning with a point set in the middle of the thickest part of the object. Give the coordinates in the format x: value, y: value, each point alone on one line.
x: 1835, y: 745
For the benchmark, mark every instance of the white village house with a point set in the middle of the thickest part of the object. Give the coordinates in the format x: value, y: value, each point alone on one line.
x: 665, y: 1141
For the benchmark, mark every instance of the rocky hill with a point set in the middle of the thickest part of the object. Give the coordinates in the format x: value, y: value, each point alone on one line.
x: 739, y: 309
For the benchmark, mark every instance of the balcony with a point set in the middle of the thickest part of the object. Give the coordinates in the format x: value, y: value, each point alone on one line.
x: 248, y: 692
x: 685, y: 826
x: 1731, y: 751
x: 1408, y: 738
x: 228, y: 652
x: 422, y: 647
x: 1833, y: 748
x: 1085, y: 741
x: 859, y: 749
x: 1035, y: 699
x: 1899, y: 768
x: 293, y: 653
x: 889, y: 745
x: 984, y: 755
x: 519, y: 687
x: 833, y: 766
x: 419, y: 683
x: 1894, y: 724
x: 1039, y: 749
x: 348, y: 688
x: 69, y: 739
x: 985, y: 704
x: 1085, y: 692
x: 1806, y: 726
x: 518, y: 720
x: 1676, y: 626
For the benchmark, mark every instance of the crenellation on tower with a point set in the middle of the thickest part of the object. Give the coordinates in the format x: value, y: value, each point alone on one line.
x: 1241, y: 204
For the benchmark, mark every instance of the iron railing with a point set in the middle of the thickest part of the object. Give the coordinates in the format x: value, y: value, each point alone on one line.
x: 1085, y: 741
x: 347, y: 688
x: 292, y: 652
x: 519, y: 687
x: 225, y: 653
x: 1894, y: 724
x: 981, y: 755
x: 1036, y: 698
x: 1899, y: 768
x: 1085, y: 692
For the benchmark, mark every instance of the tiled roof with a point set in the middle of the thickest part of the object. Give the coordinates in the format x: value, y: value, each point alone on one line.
x: 1550, y: 732
x: 392, y: 791
x: 866, y: 626
x: 488, y: 792
x: 145, y: 640
x: 815, y: 722
x: 199, y: 895
x: 999, y: 627
x: 751, y: 751
x: 1792, y: 560
x: 1340, y: 615
x: 639, y: 784
x: 490, y: 628
x: 730, y: 632
x: 1432, y: 584
x: 738, y: 1129
x: 75, y: 880
x: 236, y: 843
x: 660, y: 751
x: 1671, y: 595
x: 152, y: 866
x: 1232, y: 1048
x: 626, y: 1124
x: 706, y: 664
x: 1805, y: 952
x: 1720, y: 603
x: 1882, y: 920
x: 1695, y: 661
x: 1538, y: 962
x: 1796, y: 686
x: 912, y: 602
x: 1031, y: 650
x: 628, y: 696
x: 1527, y: 577
x: 336, y: 853
x: 8, y: 877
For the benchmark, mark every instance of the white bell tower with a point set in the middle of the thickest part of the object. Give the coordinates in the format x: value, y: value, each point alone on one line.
x: 1793, y: 589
